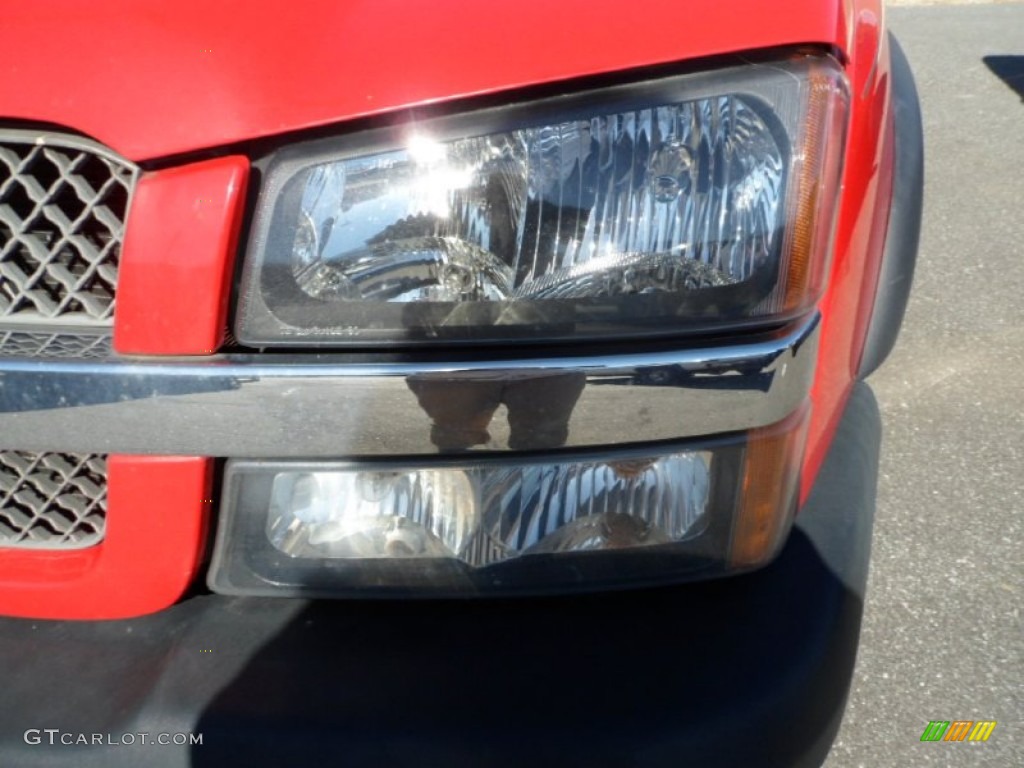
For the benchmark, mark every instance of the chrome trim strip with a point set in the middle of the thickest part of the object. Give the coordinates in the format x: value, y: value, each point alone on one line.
x: 322, y: 406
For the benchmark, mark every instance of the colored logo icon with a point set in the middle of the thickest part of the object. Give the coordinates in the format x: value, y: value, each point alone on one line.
x: 958, y: 730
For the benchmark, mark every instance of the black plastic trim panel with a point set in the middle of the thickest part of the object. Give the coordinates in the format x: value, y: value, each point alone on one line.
x: 904, y: 231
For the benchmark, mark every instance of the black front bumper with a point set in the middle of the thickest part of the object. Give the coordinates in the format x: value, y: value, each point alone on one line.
x: 747, y: 671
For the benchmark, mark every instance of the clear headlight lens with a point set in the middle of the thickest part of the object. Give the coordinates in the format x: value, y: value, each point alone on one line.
x: 483, y: 516
x: 514, y: 525
x: 656, y: 208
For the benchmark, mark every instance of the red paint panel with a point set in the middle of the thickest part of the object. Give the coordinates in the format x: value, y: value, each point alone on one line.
x: 863, y: 214
x: 151, y: 78
x: 174, y: 280
x: 157, y: 520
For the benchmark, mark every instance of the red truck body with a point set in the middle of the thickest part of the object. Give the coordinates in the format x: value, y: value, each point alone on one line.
x: 175, y: 86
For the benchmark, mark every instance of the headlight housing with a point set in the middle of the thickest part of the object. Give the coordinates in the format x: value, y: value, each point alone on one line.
x: 470, y: 525
x: 690, y: 203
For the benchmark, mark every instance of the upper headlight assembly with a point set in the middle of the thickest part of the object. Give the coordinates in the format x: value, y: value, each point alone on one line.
x: 691, y: 203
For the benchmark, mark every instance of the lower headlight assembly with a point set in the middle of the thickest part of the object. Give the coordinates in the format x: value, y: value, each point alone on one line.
x: 687, y: 203
x: 467, y: 526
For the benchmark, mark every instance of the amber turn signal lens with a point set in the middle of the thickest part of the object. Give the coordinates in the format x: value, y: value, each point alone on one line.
x: 770, y: 476
x: 812, y: 209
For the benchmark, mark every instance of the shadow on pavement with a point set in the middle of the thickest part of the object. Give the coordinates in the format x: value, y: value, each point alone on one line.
x: 1009, y: 69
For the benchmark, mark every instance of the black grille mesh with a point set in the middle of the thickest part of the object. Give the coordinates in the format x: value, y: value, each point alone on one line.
x: 63, y: 204
x: 52, y: 500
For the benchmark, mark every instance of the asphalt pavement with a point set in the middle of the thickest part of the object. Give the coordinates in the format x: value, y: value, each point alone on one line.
x: 942, y: 636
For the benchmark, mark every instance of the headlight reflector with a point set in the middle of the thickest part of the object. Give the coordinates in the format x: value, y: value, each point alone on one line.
x: 661, y: 207
x: 481, y: 515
